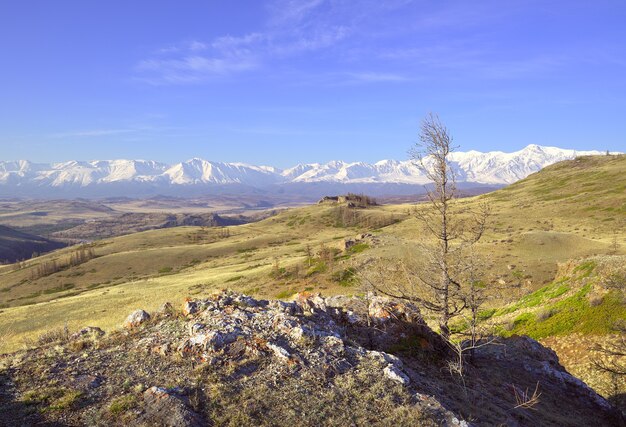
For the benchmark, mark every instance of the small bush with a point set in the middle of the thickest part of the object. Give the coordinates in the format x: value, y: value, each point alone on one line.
x: 596, y: 300
x: 345, y: 277
x: 318, y: 267
x: 545, y: 313
x: 246, y: 250
x: 60, y: 288
x: 508, y: 326
x: 54, y: 335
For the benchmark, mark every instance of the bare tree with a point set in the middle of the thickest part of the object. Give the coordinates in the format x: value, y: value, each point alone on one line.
x: 453, y: 232
x: 474, y: 294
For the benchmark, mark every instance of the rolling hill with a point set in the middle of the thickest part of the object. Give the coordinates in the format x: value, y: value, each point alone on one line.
x: 571, y: 210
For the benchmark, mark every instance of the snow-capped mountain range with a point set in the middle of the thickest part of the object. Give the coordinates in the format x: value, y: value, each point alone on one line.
x: 140, y: 177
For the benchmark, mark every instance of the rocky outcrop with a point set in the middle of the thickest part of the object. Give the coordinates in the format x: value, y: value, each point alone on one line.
x: 312, y: 361
x: 307, y: 333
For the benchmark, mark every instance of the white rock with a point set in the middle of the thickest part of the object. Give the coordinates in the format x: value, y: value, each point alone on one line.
x: 396, y: 375
x: 279, y: 351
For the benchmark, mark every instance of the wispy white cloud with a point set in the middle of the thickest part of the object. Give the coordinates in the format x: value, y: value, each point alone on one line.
x: 292, y: 11
x: 374, y: 77
x: 355, y: 38
x: 192, y: 68
x: 290, y: 31
x: 129, y: 131
x: 93, y: 133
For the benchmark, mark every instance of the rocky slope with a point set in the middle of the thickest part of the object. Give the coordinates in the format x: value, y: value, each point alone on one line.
x: 230, y: 359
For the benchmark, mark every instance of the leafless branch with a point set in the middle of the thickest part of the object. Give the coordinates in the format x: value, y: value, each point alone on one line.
x: 525, y: 400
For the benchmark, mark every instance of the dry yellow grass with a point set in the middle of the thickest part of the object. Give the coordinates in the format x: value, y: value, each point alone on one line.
x: 536, y: 224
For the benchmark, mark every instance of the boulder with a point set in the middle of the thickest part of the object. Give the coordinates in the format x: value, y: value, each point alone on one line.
x: 190, y: 307
x: 166, y: 309
x: 165, y: 408
x: 348, y: 243
x: 136, y: 318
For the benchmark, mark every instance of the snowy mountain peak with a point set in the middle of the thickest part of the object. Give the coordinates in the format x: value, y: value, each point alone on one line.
x: 96, y: 177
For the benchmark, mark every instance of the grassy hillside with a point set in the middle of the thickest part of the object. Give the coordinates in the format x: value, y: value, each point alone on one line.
x: 585, y: 188
x: 268, y: 258
x: 569, y: 210
x: 16, y: 245
x: 585, y: 197
x: 574, y: 314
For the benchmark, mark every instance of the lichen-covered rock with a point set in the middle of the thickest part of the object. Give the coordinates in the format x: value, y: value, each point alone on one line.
x: 136, y: 318
x: 279, y: 351
x: 385, y: 358
x: 395, y: 374
x: 164, y: 408
x: 166, y: 309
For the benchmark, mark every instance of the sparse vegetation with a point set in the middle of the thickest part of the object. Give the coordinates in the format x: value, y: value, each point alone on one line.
x: 121, y: 404
x: 52, y: 399
x: 523, y: 248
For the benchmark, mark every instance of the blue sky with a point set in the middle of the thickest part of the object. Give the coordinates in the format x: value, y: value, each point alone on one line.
x: 281, y: 82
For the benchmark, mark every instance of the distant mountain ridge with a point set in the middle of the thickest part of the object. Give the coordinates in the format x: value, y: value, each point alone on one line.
x: 140, y: 177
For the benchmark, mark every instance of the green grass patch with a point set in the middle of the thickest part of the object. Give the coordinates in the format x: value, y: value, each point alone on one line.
x: 358, y: 248
x: 585, y: 269
x: 486, y: 314
x: 549, y: 292
x: 121, y: 404
x: 574, y: 314
x: 523, y: 319
x: 318, y: 267
x: 286, y: 293
x: 55, y: 399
